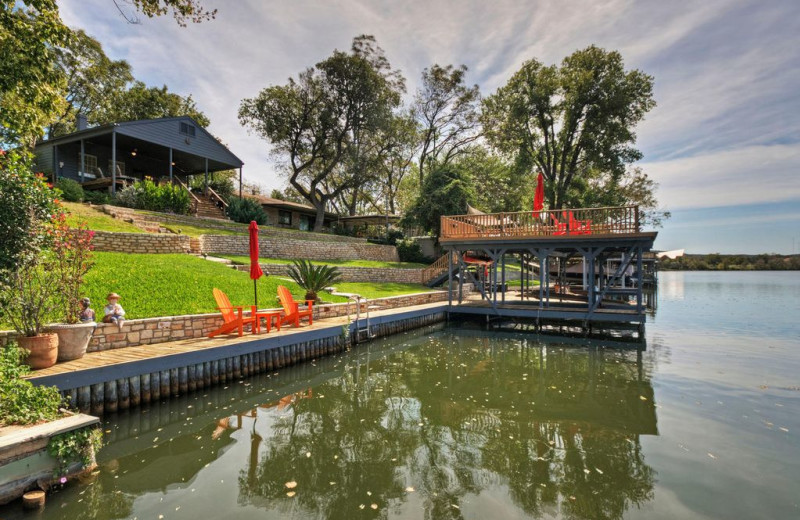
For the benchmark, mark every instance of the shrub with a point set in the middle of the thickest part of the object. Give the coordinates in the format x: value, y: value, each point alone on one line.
x: 96, y: 197
x: 313, y: 278
x: 245, y: 210
x: 409, y: 251
x: 127, y: 197
x: 26, y: 204
x: 152, y: 197
x: 20, y: 401
x: 71, y: 190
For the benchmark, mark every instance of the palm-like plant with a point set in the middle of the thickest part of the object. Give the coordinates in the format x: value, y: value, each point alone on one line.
x: 313, y: 278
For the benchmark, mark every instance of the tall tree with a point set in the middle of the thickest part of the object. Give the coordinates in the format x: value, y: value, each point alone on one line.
x: 182, y: 10
x: 94, y: 81
x: 143, y: 102
x: 447, y: 190
x: 322, y: 124
x: 572, y: 120
x: 500, y: 185
x: 31, y: 87
x: 447, y: 110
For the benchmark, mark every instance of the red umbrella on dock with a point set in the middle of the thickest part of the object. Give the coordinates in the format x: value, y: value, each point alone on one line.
x: 538, y: 197
x: 255, y: 268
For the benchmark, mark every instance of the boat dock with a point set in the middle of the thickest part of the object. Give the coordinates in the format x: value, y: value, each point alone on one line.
x: 480, y: 248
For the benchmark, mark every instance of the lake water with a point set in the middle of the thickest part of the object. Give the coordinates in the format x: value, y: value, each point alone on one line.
x: 463, y: 423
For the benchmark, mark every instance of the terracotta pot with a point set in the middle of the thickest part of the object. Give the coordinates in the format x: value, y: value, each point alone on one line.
x: 43, y: 350
x: 73, y: 339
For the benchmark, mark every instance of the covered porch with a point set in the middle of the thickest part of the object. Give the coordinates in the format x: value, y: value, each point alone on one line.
x: 113, y: 156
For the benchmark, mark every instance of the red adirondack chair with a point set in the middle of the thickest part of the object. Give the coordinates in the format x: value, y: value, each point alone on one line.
x: 291, y: 308
x: 232, y: 316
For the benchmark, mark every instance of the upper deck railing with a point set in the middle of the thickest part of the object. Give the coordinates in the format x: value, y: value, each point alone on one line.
x: 527, y: 224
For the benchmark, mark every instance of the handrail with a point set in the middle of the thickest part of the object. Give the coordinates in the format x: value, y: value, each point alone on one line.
x: 196, y: 201
x: 217, y: 196
x: 551, y: 223
x: 436, y: 268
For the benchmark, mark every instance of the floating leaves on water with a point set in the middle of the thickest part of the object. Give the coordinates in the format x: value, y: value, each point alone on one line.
x: 643, y: 398
x: 410, y: 489
x: 454, y: 506
x: 290, y: 494
x: 586, y: 471
x: 369, y: 493
x: 374, y: 506
x: 291, y: 484
x: 598, y: 470
x: 781, y: 428
x: 308, y: 454
x: 712, y: 455
x: 361, y: 506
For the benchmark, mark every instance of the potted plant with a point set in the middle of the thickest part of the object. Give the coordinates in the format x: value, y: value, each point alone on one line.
x: 73, y: 259
x: 28, y: 296
x: 29, y: 300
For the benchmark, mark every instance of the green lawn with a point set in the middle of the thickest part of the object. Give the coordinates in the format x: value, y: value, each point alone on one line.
x: 96, y: 219
x: 168, y: 285
x: 245, y: 260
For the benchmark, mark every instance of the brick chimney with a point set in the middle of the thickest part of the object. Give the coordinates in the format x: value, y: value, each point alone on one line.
x: 80, y: 121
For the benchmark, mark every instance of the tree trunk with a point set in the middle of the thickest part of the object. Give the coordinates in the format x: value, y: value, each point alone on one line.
x: 319, y: 220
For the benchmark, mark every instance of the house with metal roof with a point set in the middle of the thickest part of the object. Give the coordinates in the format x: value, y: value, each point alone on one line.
x: 111, y: 156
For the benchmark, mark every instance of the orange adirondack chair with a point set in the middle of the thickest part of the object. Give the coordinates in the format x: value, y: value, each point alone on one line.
x: 232, y: 316
x: 291, y: 308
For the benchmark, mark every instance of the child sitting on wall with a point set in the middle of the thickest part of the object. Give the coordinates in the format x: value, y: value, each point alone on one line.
x: 113, y: 312
x: 87, y: 313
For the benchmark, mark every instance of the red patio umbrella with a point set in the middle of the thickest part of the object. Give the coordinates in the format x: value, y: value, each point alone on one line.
x: 538, y: 198
x: 255, y: 268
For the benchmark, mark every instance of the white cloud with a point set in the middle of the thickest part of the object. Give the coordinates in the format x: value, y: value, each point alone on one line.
x: 727, y: 74
x: 748, y: 175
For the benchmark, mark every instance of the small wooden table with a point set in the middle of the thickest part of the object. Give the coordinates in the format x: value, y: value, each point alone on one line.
x: 268, y: 315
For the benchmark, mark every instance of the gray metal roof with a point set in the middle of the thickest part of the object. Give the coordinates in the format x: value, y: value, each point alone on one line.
x: 163, y: 131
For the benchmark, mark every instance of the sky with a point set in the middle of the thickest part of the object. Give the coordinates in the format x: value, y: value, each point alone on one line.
x: 723, y: 141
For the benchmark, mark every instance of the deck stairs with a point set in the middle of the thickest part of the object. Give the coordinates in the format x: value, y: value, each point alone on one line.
x: 436, y: 273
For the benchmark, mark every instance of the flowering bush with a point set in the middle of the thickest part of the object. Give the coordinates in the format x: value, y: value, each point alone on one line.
x: 72, y: 248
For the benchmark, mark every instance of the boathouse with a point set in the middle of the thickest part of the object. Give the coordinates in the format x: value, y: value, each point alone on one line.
x: 481, y: 248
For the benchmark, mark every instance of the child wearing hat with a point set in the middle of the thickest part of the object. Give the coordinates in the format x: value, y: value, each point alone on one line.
x: 113, y: 312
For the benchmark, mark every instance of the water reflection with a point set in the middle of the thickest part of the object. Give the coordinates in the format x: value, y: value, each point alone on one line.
x: 557, y: 428
x: 450, y: 423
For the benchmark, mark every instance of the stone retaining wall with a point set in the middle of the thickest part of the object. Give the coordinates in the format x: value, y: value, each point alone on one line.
x: 140, y: 242
x: 171, y: 328
x: 155, y: 218
x: 354, y: 274
x: 292, y: 248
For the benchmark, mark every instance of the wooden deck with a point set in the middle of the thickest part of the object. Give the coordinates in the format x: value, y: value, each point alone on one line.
x: 561, y: 224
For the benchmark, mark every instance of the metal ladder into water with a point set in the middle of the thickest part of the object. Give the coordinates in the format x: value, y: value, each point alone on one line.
x: 362, y: 333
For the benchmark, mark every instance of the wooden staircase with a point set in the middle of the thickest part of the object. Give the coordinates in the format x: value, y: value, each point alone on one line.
x: 205, y: 206
x: 437, y: 272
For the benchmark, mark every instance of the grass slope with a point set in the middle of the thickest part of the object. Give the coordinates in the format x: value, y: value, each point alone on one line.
x: 96, y: 219
x: 245, y: 260
x: 169, y: 285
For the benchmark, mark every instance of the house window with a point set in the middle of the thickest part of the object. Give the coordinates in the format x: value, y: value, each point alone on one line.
x: 187, y: 129
x: 120, y: 168
x: 305, y: 223
x: 284, y: 218
x: 89, y: 162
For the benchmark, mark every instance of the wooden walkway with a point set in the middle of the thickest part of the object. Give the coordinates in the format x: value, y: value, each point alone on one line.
x: 115, y: 357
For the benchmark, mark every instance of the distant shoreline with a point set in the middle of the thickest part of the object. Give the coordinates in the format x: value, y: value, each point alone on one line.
x: 717, y: 262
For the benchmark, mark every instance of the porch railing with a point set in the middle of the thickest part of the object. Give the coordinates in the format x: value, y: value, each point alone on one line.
x: 566, y: 222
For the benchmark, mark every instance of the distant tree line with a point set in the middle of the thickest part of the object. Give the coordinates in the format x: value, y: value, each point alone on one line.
x: 718, y: 262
